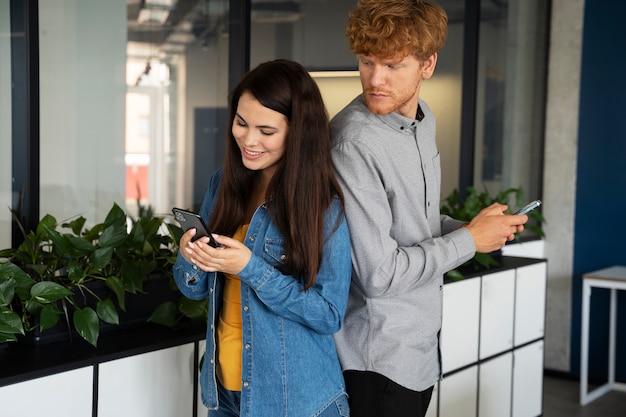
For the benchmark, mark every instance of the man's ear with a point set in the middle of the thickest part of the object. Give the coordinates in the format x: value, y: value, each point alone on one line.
x: 428, y: 66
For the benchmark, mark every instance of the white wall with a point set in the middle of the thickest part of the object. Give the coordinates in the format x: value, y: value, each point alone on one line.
x: 83, y: 87
x: 443, y: 94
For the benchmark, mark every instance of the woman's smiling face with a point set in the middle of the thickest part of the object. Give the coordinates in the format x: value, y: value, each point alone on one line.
x: 260, y: 133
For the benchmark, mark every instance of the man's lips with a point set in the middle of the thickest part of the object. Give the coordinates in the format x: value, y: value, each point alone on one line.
x: 377, y: 94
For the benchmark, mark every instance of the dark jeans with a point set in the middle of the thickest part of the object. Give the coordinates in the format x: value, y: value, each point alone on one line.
x: 374, y: 395
x: 230, y: 402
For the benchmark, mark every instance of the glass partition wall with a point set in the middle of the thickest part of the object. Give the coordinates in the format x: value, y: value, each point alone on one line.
x: 510, y: 95
x: 125, y: 85
x: 5, y: 125
x: 133, y: 94
x: 501, y: 45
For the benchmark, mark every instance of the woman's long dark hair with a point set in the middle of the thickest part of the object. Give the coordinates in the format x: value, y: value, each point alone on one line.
x: 304, y: 182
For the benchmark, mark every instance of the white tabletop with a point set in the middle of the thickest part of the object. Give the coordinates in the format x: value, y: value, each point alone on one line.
x: 613, y: 273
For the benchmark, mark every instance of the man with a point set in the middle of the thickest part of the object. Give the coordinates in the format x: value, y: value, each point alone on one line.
x: 388, y: 164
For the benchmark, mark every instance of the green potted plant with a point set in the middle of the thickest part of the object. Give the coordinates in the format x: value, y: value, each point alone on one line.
x: 85, y: 277
x: 471, y: 205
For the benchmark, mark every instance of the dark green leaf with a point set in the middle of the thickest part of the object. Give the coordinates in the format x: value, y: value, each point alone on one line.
x: 117, y: 286
x: 82, y: 247
x: 115, y: 216
x: 175, y: 232
x: 454, y: 275
x: 101, y: 257
x: 6, y: 337
x: 7, y: 253
x: 113, y: 236
x: 164, y: 314
x: 92, y: 234
x: 87, y: 324
x: 11, y: 271
x: 151, y: 227
x: 136, y: 237
x: 7, y: 291
x: 48, y: 292
x: 537, y: 230
x: 10, y: 322
x: 46, y: 224
x: 485, y: 259
x: 107, y: 312
x: 133, y: 273
x: 75, y: 271
x: 49, y: 316
x: 194, y: 309
x: 62, y: 244
x: 76, y: 225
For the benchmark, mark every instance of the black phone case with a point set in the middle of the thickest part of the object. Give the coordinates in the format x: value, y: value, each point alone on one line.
x: 190, y: 220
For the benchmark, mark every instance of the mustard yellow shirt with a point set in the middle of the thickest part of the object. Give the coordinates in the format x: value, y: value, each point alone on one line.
x: 229, y: 334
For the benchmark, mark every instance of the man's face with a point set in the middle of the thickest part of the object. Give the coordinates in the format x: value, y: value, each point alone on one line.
x: 393, y: 84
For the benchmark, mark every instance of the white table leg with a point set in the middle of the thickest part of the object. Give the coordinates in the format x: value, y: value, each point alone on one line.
x: 613, y: 324
x: 584, y: 344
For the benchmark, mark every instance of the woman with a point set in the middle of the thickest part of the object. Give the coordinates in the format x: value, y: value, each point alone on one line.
x: 278, y: 284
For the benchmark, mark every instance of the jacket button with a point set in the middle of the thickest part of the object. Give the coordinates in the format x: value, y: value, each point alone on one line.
x: 245, y: 308
x: 247, y: 345
x: 245, y: 384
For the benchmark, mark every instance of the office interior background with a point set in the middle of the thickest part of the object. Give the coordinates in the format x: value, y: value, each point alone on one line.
x: 126, y: 100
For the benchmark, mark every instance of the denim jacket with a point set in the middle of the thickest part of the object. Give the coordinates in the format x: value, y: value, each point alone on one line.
x: 289, y: 361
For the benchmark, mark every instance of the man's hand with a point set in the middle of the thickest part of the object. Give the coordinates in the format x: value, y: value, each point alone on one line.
x: 491, y: 228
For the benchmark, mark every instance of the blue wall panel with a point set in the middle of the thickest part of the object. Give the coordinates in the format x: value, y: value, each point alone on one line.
x: 600, y: 226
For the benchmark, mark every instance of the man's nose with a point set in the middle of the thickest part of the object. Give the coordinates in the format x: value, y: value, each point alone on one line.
x: 378, y: 76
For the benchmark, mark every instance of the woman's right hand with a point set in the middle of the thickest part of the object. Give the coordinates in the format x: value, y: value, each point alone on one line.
x: 231, y: 257
x: 188, y: 248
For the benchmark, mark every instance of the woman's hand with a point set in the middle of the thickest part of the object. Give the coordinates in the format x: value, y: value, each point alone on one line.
x: 230, y: 258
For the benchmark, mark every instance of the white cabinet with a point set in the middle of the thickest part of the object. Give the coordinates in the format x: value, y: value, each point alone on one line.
x: 528, y: 380
x: 459, y: 335
x: 492, y: 343
x: 496, y: 312
x: 139, y: 371
x: 66, y: 394
x: 154, y: 384
x: 530, y: 303
x: 433, y: 408
x: 494, y: 387
x: 457, y: 394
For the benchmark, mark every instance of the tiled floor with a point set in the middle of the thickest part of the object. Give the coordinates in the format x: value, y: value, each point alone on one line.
x: 561, y: 399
